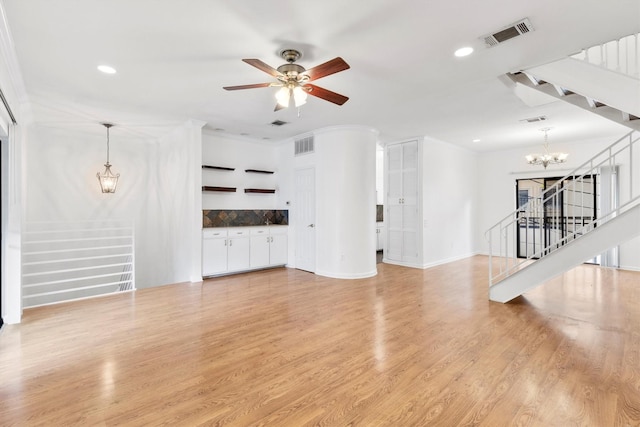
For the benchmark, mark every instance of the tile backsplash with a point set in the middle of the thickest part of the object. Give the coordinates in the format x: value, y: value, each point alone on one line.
x: 241, y: 218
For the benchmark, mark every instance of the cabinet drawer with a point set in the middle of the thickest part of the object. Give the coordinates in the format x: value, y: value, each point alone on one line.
x: 278, y: 229
x: 259, y: 231
x: 214, y: 232
x: 235, y: 232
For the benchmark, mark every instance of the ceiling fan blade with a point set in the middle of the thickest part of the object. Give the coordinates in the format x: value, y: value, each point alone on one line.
x: 326, y: 94
x: 257, y: 85
x: 264, y: 67
x: 330, y: 67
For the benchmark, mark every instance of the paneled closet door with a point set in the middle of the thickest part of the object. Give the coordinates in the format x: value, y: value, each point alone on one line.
x: 402, y: 198
x: 410, y: 220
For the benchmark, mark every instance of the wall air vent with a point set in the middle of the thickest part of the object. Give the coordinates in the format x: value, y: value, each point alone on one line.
x: 304, y: 145
x: 514, y: 30
x: 278, y: 123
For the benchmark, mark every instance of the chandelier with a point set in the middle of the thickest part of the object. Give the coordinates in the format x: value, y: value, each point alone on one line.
x: 108, y: 181
x: 547, y: 158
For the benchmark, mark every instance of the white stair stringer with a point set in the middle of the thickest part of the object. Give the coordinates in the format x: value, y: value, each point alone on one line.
x: 601, y: 238
x: 614, y: 89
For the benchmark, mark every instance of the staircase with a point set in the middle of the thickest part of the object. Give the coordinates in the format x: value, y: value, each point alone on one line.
x: 563, y: 228
x: 604, y: 79
x: 572, y: 228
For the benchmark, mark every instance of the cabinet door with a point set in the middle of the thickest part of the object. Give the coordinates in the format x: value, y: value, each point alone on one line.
x: 278, y: 254
x: 259, y: 251
x: 238, y: 253
x: 214, y: 256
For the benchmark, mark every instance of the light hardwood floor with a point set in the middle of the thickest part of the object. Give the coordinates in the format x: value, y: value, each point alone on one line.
x: 286, y: 348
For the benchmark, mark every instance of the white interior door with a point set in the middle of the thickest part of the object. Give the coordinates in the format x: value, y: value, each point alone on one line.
x: 305, y: 209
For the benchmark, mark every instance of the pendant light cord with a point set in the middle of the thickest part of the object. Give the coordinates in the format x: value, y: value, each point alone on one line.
x: 108, y: 126
x: 107, y: 145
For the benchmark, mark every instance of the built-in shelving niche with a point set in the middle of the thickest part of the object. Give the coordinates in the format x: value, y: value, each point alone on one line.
x: 218, y: 188
x: 233, y: 189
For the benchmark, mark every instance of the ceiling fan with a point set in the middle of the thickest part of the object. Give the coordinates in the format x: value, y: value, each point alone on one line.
x: 294, y: 80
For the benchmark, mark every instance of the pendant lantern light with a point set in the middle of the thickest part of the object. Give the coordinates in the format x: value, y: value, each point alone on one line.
x: 108, y: 181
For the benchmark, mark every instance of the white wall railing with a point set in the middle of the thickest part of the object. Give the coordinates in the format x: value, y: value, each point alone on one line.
x: 566, y: 210
x: 622, y: 56
x: 64, y: 261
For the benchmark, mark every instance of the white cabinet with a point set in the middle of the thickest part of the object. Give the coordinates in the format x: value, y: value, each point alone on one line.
x: 234, y: 249
x: 214, y: 251
x: 380, y: 236
x: 259, y: 247
x: 278, y: 249
x: 268, y: 246
x: 238, y: 249
x: 402, y: 218
x: 224, y: 250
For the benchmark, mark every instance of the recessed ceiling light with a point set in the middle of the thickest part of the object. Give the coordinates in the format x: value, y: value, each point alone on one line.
x: 106, y: 69
x: 477, y: 140
x: 463, y: 51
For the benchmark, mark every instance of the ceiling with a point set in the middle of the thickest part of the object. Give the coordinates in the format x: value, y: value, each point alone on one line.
x: 173, y: 58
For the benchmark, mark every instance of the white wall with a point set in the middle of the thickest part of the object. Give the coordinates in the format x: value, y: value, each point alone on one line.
x: 449, y: 197
x: 346, y: 201
x: 498, y: 171
x: 155, y: 191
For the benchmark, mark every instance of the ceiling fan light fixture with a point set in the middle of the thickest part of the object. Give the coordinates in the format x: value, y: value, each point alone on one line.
x: 283, y: 96
x: 294, y: 80
x: 299, y: 96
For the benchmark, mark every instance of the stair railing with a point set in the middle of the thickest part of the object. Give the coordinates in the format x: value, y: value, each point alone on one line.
x: 562, y: 213
x: 622, y: 55
x: 69, y: 260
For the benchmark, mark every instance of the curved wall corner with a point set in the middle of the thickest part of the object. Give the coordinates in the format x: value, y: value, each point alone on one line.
x: 346, y: 202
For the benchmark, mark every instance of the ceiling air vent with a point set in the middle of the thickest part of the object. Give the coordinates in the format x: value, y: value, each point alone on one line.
x: 278, y: 123
x: 304, y: 145
x: 514, y: 30
x: 534, y: 119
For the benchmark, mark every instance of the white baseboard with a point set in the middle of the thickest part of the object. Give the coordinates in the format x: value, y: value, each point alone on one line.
x: 347, y: 276
x: 448, y: 260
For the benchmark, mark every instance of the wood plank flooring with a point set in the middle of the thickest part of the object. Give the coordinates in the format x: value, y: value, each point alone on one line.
x: 287, y: 348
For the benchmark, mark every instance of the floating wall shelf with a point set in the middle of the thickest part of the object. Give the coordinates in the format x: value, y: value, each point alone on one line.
x: 224, y: 189
x: 257, y: 171
x: 259, y: 190
x: 222, y: 168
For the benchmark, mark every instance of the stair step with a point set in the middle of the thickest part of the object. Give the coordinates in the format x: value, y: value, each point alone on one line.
x: 607, y: 235
x: 561, y: 93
